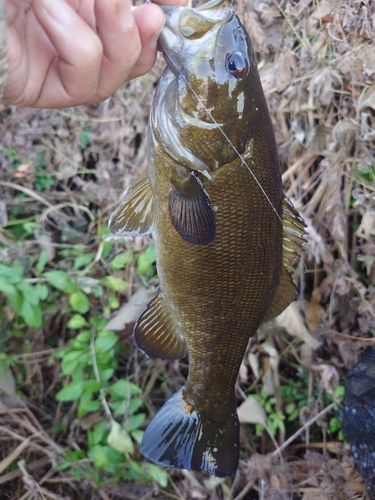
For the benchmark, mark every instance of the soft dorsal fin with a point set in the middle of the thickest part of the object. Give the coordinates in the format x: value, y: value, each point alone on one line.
x: 293, y: 238
x: 156, y: 332
x: 191, y: 212
x: 135, y: 214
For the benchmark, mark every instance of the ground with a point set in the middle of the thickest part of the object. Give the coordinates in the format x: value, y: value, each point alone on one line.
x: 62, y: 173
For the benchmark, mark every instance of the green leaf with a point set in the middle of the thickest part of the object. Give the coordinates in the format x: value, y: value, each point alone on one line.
x: 84, y: 337
x: 137, y: 435
x: 114, y: 283
x: 42, y: 291
x: 91, y: 386
x: 61, y: 281
x: 159, y: 475
x: 123, y: 389
x: 71, y: 392
x: 113, y: 301
x: 105, y: 341
x: 146, y: 261
x: 134, y: 421
x: 334, y: 425
x: 32, y: 314
x: 12, y: 274
x: 83, y: 260
x: 104, y: 456
x: 16, y: 302
x: 71, y: 360
x: 119, y: 438
x: 28, y: 292
x: 6, y: 287
x: 87, y: 404
x: 79, y: 302
x: 105, y: 375
x: 98, y: 322
x: 120, y: 260
x: 94, y: 437
x: 42, y: 261
x: 76, y: 321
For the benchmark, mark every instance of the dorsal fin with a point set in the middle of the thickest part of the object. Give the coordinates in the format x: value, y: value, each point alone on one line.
x: 156, y: 332
x: 135, y: 214
x: 293, y: 238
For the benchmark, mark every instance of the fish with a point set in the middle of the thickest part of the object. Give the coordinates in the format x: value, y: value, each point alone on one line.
x: 225, y: 234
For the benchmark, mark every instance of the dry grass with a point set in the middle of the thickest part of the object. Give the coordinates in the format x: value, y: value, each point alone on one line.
x: 317, y: 64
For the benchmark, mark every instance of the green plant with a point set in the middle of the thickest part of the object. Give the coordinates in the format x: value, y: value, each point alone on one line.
x: 90, y: 363
x: 22, y: 296
x: 275, y: 419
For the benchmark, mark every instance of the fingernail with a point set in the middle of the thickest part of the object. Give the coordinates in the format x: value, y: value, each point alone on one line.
x: 154, y: 39
x: 59, y: 10
x: 124, y: 13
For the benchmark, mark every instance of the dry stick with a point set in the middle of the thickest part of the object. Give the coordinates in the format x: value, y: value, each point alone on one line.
x: 302, y: 429
x: 27, y: 191
x: 14, y: 454
x: 3, y: 49
x: 10, y: 476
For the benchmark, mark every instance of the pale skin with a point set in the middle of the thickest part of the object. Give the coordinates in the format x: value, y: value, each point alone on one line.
x: 64, y: 53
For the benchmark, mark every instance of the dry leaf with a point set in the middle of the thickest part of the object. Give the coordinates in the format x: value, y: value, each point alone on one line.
x: 130, y: 311
x: 329, y: 376
x: 251, y: 412
x: 314, y: 312
x: 264, y: 360
x: 366, y: 229
x: 292, y: 321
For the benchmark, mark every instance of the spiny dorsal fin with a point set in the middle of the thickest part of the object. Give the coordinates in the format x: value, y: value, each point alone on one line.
x: 293, y: 238
x: 135, y: 215
x: 293, y: 233
x: 156, y: 333
x: 191, y: 212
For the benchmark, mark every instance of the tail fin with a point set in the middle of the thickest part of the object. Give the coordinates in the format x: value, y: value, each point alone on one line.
x: 177, y: 437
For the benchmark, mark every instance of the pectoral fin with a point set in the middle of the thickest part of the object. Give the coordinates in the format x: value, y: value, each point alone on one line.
x: 156, y: 332
x: 293, y: 238
x: 135, y: 215
x: 191, y: 212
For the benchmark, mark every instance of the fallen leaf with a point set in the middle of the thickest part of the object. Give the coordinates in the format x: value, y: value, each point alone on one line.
x: 130, y: 311
x: 314, y: 312
x: 292, y: 321
x: 329, y: 376
x: 251, y: 412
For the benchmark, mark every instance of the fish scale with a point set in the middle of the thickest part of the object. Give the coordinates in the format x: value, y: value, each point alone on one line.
x: 225, y: 235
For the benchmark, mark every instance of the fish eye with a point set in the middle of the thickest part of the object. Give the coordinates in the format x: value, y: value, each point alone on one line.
x: 236, y: 64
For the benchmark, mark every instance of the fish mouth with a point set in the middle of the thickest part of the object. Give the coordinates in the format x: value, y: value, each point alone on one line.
x: 192, y: 24
x: 184, y: 25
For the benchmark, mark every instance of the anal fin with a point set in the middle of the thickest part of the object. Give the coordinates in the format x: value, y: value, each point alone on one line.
x: 156, y: 333
x: 293, y: 238
x: 135, y: 214
x: 191, y: 212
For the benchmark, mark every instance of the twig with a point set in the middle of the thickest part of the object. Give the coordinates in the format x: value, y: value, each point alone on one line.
x: 97, y: 378
x: 27, y: 191
x: 302, y: 429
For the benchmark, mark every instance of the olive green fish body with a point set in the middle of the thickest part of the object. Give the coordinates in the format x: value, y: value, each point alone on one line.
x: 225, y: 236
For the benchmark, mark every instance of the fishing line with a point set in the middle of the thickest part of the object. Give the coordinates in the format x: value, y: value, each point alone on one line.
x: 229, y: 141
x: 225, y: 136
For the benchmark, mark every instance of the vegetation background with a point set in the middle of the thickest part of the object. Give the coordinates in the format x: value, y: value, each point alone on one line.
x: 75, y: 394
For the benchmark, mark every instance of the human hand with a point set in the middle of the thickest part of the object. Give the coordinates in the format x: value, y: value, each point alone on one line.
x: 64, y: 53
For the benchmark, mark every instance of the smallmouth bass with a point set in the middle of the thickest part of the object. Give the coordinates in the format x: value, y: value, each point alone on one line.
x: 225, y: 235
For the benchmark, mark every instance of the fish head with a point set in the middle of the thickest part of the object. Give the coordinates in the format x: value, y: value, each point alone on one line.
x: 210, y: 55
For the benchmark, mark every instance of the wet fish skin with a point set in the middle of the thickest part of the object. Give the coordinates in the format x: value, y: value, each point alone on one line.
x: 223, y: 247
